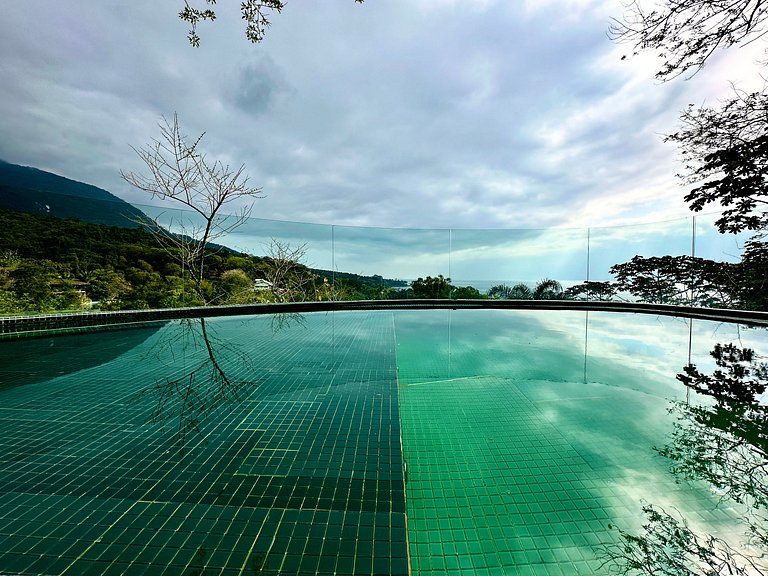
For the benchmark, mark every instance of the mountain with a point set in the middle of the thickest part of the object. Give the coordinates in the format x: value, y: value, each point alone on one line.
x: 27, y: 189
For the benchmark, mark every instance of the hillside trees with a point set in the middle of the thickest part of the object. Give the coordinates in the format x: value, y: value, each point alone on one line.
x: 49, y: 263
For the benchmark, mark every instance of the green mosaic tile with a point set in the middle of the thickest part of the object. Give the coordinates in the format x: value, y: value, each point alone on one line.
x: 160, y: 458
x: 509, y: 430
x: 278, y: 450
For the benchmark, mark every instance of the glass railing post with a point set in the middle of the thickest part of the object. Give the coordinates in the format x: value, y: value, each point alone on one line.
x: 588, y: 238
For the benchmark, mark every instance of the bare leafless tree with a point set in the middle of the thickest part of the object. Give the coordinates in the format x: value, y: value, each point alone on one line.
x: 291, y: 280
x: 685, y: 33
x: 178, y: 171
x: 204, y: 386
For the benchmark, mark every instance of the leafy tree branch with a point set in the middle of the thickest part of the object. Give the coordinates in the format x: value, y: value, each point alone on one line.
x: 256, y: 13
x: 723, y: 441
x: 725, y: 149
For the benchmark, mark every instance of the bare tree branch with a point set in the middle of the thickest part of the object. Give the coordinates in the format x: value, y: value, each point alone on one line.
x: 291, y: 280
x: 685, y: 33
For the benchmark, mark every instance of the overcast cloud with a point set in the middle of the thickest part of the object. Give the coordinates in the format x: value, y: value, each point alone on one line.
x: 433, y: 113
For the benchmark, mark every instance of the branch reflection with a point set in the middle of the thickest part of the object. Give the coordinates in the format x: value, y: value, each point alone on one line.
x: 719, y: 437
x: 204, y: 387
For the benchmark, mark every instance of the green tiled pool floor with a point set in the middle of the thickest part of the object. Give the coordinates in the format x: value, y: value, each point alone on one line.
x: 515, y: 468
x: 492, y: 487
x: 278, y: 454
x: 371, y: 443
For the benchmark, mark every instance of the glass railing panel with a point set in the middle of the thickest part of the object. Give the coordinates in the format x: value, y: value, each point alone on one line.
x: 712, y: 245
x: 344, y: 262
x: 721, y: 278
x: 620, y: 244
x: 275, y: 245
x: 487, y: 258
x: 310, y: 245
x: 377, y: 263
x: 263, y: 238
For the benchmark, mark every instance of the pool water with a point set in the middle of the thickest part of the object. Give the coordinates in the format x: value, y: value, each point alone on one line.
x: 381, y: 442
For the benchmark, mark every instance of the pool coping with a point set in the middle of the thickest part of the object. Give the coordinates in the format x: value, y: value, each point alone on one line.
x: 45, y: 324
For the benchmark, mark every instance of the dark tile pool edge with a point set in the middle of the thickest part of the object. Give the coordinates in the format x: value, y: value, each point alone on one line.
x: 16, y: 326
x: 69, y: 330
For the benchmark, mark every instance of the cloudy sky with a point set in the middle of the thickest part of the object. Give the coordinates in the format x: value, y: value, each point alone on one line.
x: 395, y: 113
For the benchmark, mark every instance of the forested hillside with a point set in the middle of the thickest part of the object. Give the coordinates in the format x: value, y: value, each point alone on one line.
x: 28, y: 189
x: 49, y: 263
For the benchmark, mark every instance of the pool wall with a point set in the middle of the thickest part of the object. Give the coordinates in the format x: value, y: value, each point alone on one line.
x: 43, y: 324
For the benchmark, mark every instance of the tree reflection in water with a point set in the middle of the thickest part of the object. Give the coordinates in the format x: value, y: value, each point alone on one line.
x: 722, y: 440
x: 285, y: 320
x: 201, y: 389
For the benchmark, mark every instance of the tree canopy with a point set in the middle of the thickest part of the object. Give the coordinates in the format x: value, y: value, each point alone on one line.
x: 684, y: 280
x: 429, y: 287
x: 725, y: 149
x: 591, y: 290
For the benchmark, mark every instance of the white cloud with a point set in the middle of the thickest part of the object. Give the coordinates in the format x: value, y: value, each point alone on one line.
x: 440, y: 114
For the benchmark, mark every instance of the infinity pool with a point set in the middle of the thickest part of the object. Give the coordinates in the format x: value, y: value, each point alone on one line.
x: 384, y: 442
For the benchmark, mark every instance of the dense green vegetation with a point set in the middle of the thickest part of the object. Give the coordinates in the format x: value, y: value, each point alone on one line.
x: 437, y: 287
x: 50, y: 263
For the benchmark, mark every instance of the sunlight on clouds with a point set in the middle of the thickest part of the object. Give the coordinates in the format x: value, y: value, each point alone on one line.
x: 502, y: 183
x: 630, y: 202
